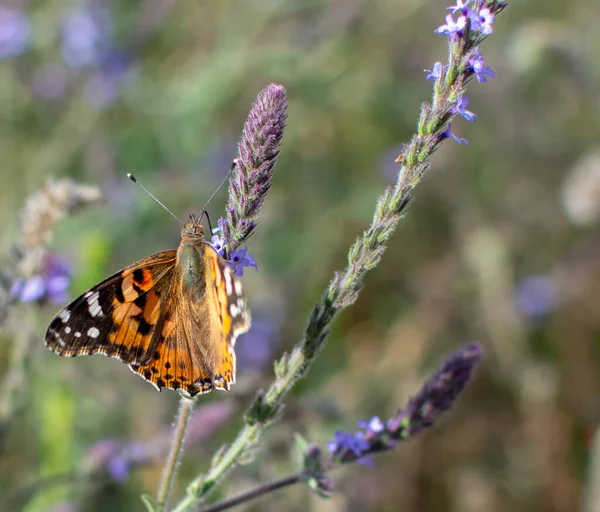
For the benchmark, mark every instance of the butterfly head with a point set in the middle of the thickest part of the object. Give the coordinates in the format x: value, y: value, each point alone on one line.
x: 193, y: 228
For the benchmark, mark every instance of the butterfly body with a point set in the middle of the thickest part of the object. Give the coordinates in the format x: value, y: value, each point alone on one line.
x: 173, y: 318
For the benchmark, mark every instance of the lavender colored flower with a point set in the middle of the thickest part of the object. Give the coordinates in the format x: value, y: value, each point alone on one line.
x: 373, y: 426
x: 85, y: 37
x: 482, y: 21
x: 438, y: 395
x: 51, y: 286
x: 536, y: 296
x: 452, y: 28
x: 255, y: 348
x: 343, y: 441
x: 461, y: 5
x: 240, y: 259
x: 251, y: 177
x: 461, y: 108
x: 434, y: 74
x: 106, y: 84
x: 447, y: 134
x: 480, y: 70
x: 15, y: 32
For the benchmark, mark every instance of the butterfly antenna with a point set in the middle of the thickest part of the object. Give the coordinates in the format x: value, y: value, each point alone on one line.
x: 233, y: 164
x: 134, y: 179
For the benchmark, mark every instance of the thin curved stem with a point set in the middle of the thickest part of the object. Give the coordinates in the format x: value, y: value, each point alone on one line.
x: 185, y: 409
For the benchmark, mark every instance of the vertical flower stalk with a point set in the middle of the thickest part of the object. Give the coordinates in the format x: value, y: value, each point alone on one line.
x: 254, y: 166
x: 250, y: 181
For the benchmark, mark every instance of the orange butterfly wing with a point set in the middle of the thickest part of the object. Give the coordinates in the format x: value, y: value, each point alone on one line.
x: 118, y: 317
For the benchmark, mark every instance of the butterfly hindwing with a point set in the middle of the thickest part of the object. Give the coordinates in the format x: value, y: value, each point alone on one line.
x: 118, y: 317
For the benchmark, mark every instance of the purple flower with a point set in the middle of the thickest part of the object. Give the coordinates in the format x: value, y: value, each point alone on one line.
x: 85, y: 37
x: 536, y: 296
x: 438, y: 69
x: 480, y: 70
x: 255, y: 349
x: 461, y: 108
x: 347, y: 441
x: 219, y: 244
x: 238, y: 260
x: 52, y: 285
x: 452, y: 28
x: 482, y: 21
x: 374, y: 425
x: 461, y: 5
x: 447, y: 134
x: 14, y: 32
x: 104, y: 87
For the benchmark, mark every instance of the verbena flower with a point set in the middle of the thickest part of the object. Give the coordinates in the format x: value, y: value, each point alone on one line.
x: 461, y: 108
x: 452, y: 28
x: 434, y: 74
x: 482, y: 21
x: 52, y: 285
x: 461, y: 5
x: 15, y: 32
x: 447, y: 134
x: 480, y: 70
x: 240, y: 259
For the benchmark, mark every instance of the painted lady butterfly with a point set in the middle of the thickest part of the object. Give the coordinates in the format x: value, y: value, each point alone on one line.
x: 173, y: 317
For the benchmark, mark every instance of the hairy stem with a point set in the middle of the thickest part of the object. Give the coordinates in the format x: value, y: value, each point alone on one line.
x: 185, y: 409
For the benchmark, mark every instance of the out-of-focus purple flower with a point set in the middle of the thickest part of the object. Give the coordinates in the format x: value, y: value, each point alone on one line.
x: 105, y: 85
x: 482, y: 21
x: 374, y: 425
x: 85, y: 37
x: 15, y: 32
x: 461, y: 5
x: 480, y: 70
x: 461, y: 108
x: 434, y: 74
x: 240, y: 259
x: 355, y: 442
x: 50, y: 81
x: 255, y: 349
x: 51, y: 286
x: 452, y: 28
x: 536, y: 296
x: 447, y: 134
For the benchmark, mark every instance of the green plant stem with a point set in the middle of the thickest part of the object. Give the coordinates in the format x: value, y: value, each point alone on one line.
x: 257, y: 492
x: 185, y: 409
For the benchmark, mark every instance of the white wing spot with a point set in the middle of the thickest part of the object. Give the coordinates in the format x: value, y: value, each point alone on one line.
x: 238, y: 287
x: 67, y: 329
x: 93, y: 332
x: 77, y: 334
x: 64, y: 315
x: 94, y: 307
x: 228, y: 284
x: 233, y: 309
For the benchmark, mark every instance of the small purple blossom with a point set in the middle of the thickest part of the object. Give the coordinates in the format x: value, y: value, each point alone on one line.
x: 239, y: 259
x: 461, y: 108
x: 437, y: 71
x: 354, y: 442
x: 219, y: 245
x: 452, y: 28
x: 85, y: 37
x: 52, y: 285
x: 536, y: 296
x: 480, y: 70
x: 482, y: 21
x: 461, y: 5
x: 374, y: 425
x: 15, y: 32
x: 105, y: 85
x: 447, y: 134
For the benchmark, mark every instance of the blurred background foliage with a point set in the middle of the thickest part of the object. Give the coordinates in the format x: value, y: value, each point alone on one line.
x: 501, y: 244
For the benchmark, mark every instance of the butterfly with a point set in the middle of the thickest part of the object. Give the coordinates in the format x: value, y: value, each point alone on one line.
x: 173, y: 317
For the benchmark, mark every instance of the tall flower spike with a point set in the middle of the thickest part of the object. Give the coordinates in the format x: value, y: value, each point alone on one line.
x: 251, y: 178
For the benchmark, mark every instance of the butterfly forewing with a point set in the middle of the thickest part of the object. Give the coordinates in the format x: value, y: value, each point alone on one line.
x: 118, y: 317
